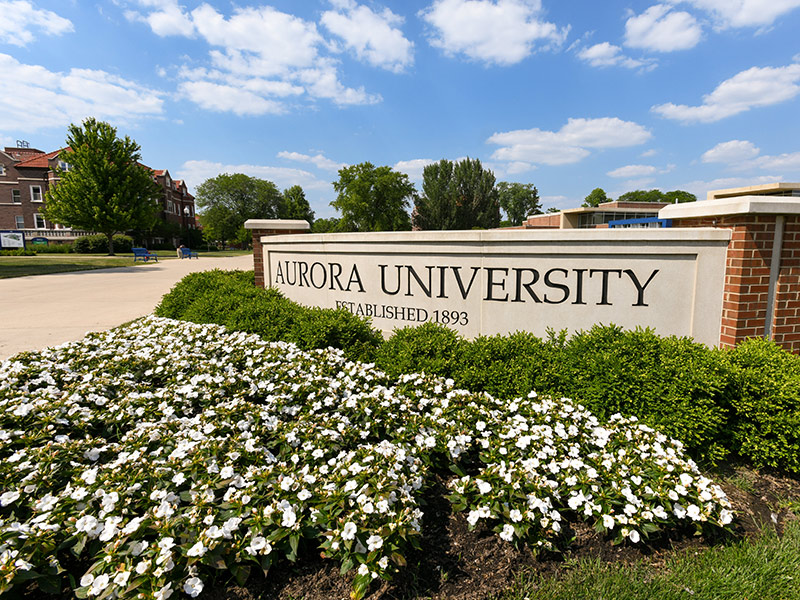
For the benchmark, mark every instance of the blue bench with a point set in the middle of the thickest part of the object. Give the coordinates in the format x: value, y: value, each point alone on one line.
x: 144, y: 255
x: 188, y: 253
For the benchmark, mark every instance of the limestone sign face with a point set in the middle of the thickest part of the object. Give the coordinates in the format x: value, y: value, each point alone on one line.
x: 501, y: 281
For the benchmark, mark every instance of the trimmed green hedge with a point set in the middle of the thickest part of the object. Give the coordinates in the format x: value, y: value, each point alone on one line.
x: 743, y: 402
x: 230, y: 298
x: 98, y: 244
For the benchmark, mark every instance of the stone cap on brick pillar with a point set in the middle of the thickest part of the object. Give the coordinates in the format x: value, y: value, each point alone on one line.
x: 278, y: 224
x: 737, y: 205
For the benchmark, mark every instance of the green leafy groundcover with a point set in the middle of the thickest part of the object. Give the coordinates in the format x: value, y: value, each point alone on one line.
x: 146, y: 458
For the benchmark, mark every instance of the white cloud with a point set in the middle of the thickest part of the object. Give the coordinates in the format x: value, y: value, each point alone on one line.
x: 228, y: 98
x: 414, y: 167
x: 374, y: 37
x: 742, y: 154
x: 787, y: 163
x: 68, y: 97
x: 500, y: 32
x: 168, y: 18
x: 661, y: 29
x: 605, y: 54
x: 757, y: 86
x: 745, y: 13
x: 649, y: 153
x: 258, y: 57
x: 733, y: 151
x: 629, y: 171
x: 570, y: 144
x: 195, y: 172
x: 318, y: 160
x: 20, y: 20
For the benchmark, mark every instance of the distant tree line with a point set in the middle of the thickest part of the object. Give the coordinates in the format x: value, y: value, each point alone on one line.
x: 598, y: 196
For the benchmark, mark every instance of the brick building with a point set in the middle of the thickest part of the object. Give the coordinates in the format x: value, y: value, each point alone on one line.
x: 27, y: 173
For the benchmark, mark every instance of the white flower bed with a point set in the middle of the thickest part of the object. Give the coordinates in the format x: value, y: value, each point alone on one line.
x: 153, y: 454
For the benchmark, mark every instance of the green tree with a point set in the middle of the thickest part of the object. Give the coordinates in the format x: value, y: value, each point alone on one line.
x: 325, y: 225
x: 106, y: 189
x: 295, y: 205
x: 595, y: 198
x: 227, y: 201
x: 679, y: 196
x: 518, y: 200
x: 459, y: 195
x: 657, y: 196
x: 373, y: 198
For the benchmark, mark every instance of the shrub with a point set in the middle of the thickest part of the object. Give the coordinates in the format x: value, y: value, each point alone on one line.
x: 54, y: 249
x: 324, y: 328
x: 764, y: 395
x: 671, y: 383
x: 507, y: 366
x: 430, y: 348
x: 18, y: 252
x: 230, y: 298
x: 98, y: 244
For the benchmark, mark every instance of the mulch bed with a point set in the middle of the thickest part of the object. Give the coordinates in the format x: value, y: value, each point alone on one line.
x: 457, y: 564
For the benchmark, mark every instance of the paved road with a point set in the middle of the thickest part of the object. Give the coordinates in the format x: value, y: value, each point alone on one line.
x: 47, y: 310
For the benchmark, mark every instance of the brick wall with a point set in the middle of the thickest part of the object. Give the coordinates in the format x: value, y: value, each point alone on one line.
x: 747, y: 272
x: 258, y: 250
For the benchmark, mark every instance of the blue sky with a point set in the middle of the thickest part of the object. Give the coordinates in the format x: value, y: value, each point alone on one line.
x: 567, y: 95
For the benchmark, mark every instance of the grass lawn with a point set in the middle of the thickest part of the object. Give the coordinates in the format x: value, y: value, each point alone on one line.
x: 45, y: 264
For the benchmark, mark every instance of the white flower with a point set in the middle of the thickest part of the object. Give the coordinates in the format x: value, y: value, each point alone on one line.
x: 165, y: 592
x: 303, y: 495
x: 86, y: 523
x: 608, y: 521
x: 87, y: 579
x: 633, y: 536
x: 121, y: 578
x: 349, y: 531
x: 193, y: 586
x: 725, y: 516
x: 508, y: 532
x: 693, y: 511
x: 363, y: 569
x: 374, y: 542
x: 515, y: 515
x: 483, y: 486
x: 99, y: 584
x: 198, y: 549
x: 289, y: 518
x: 8, y: 498
x: 226, y: 473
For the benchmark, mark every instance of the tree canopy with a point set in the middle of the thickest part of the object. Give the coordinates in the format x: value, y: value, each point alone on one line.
x: 295, y: 205
x: 675, y: 196
x: 373, y: 198
x: 228, y: 200
x: 518, y: 200
x: 459, y: 195
x: 595, y: 198
x: 106, y: 189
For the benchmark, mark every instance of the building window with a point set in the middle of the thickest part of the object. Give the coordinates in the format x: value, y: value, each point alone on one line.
x: 36, y: 193
x: 64, y: 166
x: 38, y: 221
x: 2, y: 169
x: 16, y: 197
x: 19, y: 222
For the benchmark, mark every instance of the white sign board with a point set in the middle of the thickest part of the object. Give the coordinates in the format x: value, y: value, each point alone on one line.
x: 488, y: 282
x: 11, y: 239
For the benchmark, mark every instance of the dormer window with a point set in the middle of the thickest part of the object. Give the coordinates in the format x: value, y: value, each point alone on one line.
x: 64, y: 166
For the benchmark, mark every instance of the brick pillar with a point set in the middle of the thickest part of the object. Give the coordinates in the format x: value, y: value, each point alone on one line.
x: 262, y: 227
x: 747, y: 297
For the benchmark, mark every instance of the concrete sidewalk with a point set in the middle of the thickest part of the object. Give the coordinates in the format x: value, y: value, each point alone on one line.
x: 47, y: 310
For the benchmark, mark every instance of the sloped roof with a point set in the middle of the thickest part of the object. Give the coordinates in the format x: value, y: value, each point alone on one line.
x: 40, y: 160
